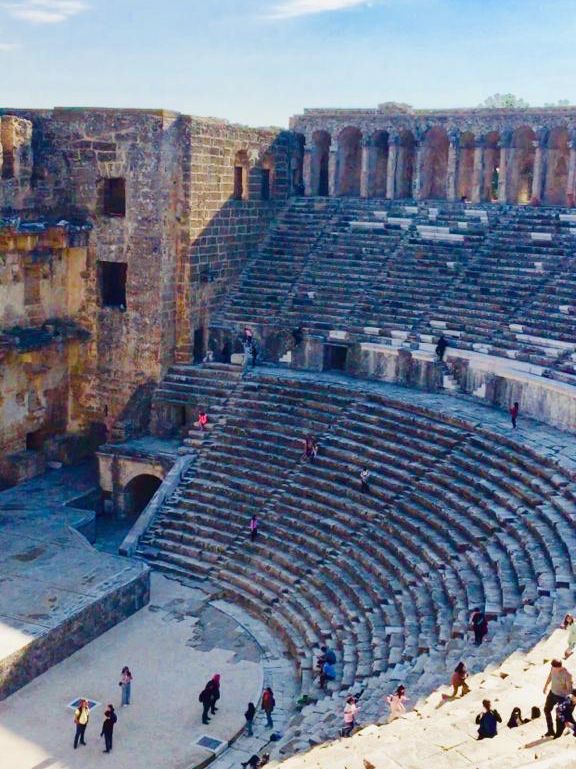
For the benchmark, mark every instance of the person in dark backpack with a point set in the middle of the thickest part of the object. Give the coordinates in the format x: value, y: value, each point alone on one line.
x: 249, y: 716
x: 268, y: 705
x: 110, y: 719
x: 488, y: 721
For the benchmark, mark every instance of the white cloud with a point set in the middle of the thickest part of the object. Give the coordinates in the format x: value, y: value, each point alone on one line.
x: 45, y: 11
x: 8, y: 47
x: 291, y: 8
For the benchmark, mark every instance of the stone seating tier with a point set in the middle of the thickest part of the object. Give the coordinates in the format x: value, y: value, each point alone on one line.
x: 455, y: 517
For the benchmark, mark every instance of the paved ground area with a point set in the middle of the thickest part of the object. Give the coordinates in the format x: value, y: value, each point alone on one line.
x: 49, y: 572
x: 173, y: 646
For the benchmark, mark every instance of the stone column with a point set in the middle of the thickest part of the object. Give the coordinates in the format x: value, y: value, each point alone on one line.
x: 307, y: 171
x: 417, y: 180
x: 536, y: 193
x: 478, y: 171
x: 366, y: 172
x: 503, y: 173
x: 571, y: 184
x: 393, y: 143
x: 332, y: 169
x: 452, y: 169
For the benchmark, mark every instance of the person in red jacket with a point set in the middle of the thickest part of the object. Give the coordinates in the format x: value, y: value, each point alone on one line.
x: 514, y: 411
x: 268, y: 705
x: 202, y: 420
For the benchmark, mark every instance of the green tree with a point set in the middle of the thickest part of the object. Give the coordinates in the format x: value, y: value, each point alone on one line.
x: 504, y: 101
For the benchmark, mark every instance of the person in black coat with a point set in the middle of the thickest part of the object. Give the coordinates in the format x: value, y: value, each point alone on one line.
x: 205, y: 698
x: 110, y: 719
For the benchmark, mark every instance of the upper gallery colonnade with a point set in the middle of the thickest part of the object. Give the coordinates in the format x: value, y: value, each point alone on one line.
x: 505, y: 156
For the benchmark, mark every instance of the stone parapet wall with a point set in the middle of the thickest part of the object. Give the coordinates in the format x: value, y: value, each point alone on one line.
x: 60, y: 642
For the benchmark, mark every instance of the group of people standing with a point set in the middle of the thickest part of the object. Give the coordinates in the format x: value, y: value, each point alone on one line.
x: 82, y: 714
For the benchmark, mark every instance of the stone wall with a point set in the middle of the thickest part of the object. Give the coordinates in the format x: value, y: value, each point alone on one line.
x: 394, y: 151
x: 72, y: 634
x: 223, y: 231
x: 497, y: 381
x: 168, y: 239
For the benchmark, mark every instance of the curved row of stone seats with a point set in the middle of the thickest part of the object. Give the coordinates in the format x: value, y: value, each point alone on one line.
x: 336, y: 276
x: 186, y: 389
x: 455, y: 517
x: 415, y: 277
x: 268, y: 278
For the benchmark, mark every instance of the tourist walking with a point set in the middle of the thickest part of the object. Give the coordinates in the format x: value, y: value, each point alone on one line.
x: 479, y: 625
x: 441, y: 346
x: 268, y: 705
x: 364, y: 476
x: 126, y: 684
x: 350, y: 711
x: 560, y: 682
x: 253, y: 527
x: 488, y: 721
x: 565, y: 715
x: 205, y: 697
x: 570, y: 626
x: 249, y: 716
x: 110, y: 719
x: 514, y: 411
x: 81, y: 718
x: 458, y: 680
x: 214, y: 685
x: 397, y: 703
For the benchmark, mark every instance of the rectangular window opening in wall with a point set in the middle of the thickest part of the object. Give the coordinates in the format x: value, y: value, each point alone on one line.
x: 238, y: 182
x: 114, y: 197
x: 8, y: 164
x: 265, y: 189
x: 112, y: 279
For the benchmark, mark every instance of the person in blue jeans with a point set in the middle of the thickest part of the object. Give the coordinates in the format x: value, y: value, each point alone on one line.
x: 126, y: 684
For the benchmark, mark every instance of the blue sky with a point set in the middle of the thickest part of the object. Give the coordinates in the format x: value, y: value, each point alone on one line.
x: 259, y: 61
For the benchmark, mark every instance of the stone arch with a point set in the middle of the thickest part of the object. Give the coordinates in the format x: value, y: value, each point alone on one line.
x: 406, y: 164
x: 434, y: 170
x: 522, y: 165
x: 321, y: 141
x: 349, y: 162
x: 491, y: 167
x: 138, y: 492
x: 379, y: 170
x: 241, y: 175
x: 465, y: 183
x: 557, y: 159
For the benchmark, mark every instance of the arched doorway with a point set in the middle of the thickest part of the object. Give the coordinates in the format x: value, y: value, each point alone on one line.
x: 434, y: 169
x: 405, y: 164
x: 491, y: 174
x: 349, y: 164
x: 379, y: 172
x: 465, y: 166
x: 557, y: 157
x: 522, y: 166
x: 321, y: 141
x: 267, y: 177
x: 138, y: 492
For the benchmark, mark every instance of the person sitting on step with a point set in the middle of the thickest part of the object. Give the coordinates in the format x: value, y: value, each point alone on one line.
x: 516, y: 719
x: 202, y: 420
x: 488, y: 721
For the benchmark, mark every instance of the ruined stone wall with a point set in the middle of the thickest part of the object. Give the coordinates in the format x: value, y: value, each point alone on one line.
x: 157, y: 191
x: 42, y: 293
x: 222, y: 231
